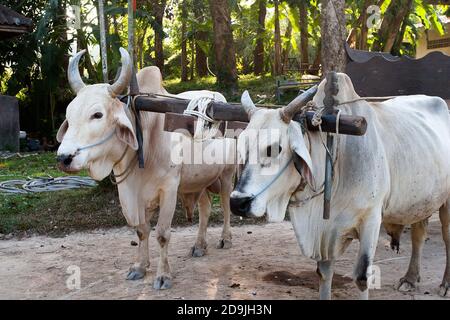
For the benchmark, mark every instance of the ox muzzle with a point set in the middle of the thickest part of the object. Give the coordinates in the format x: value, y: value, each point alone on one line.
x: 240, y: 205
x: 64, y: 161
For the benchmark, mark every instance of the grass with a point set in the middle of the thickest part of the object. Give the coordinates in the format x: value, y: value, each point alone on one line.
x: 62, y: 212
x: 37, y: 165
x: 53, y: 213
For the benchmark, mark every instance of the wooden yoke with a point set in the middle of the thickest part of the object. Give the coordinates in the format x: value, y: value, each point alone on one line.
x: 236, y: 115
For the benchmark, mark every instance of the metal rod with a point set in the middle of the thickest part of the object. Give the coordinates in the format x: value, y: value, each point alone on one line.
x: 103, y: 44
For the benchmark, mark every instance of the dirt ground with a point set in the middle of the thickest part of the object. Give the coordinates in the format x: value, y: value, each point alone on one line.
x: 264, y: 263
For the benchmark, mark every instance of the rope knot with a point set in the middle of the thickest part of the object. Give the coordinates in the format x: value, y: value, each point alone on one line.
x: 207, y: 127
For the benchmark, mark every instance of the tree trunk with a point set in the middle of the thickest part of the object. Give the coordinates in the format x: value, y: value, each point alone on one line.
x: 277, y: 69
x: 361, y: 23
x: 158, y: 8
x: 362, y: 43
x: 303, y: 32
x: 201, y: 65
x: 83, y: 45
x: 184, y: 58
x: 141, y: 47
x: 317, y: 60
x: 225, y: 52
x: 393, y: 18
x: 400, y: 36
x: 287, y: 46
x: 258, y: 54
x: 333, y: 36
x: 192, y: 58
x: 103, y: 43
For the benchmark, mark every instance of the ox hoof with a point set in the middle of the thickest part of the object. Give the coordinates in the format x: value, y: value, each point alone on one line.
x: 136, y: 273
x: 224, y: 244
x: 361, y: 284
x: 197, y: 252
x: 162, y: 283
x: 405, y: 285
x: 444, y: 289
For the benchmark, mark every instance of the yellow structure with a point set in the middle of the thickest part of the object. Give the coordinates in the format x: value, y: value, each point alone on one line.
x: 431, y: 40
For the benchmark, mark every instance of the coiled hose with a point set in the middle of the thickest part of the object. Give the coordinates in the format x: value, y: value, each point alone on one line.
x: 45, y: 184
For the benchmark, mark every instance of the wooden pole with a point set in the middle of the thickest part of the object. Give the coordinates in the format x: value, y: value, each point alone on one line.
x: 331, y: 89
x: 103, y: 48
x: 134, y: 87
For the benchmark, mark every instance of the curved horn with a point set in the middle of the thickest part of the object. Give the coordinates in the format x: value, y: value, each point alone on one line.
x: 73, y: 73
x: 288, y: 112
x: 125, y: 74
x: 248, y: 104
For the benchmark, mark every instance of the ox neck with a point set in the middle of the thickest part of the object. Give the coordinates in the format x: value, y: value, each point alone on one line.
x: 314, y: 143
x: 152, y: 125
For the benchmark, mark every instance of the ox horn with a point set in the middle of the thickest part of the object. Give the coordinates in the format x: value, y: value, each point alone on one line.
x: 289, y: 111
x: 73, y: 73
x: 248, y: 104
x: 125, y: 74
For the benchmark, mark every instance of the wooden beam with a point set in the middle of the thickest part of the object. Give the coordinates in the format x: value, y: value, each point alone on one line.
x: 352, y: 125
x: 175, y: 122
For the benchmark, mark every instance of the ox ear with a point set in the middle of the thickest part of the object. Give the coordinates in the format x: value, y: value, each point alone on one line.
x: 302, y: 159
x: 62, y: 131
x: 125, y: 131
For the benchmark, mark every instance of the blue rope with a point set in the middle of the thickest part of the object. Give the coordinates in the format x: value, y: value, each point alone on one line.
x: 273, y: 180
x: 97, y: 143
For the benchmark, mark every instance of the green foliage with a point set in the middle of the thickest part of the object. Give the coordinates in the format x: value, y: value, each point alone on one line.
x: 33, y: 67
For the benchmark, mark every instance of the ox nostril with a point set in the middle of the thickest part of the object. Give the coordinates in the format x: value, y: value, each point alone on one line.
x: 240, y: 206
x: 65, y: 159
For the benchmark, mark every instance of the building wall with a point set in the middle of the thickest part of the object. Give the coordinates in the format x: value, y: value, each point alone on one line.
x: 423, y: 44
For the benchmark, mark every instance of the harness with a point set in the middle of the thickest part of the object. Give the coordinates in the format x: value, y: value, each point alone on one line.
x: 253, y: 196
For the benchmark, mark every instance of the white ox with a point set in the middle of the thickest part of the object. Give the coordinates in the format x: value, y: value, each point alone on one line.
x: 397, y: 174
x: 98, y: 135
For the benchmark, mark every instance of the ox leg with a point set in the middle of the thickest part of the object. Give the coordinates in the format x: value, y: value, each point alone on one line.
x: 138, y: 270
x: 368, y: 239
x: 204, y: 210
x: 444, y: 216
x: 325, y: 271
x: 225, y: 191
x: 412, y: 276
x: 168, y: 203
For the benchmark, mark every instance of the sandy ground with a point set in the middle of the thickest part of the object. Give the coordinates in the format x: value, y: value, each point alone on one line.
x: 264, y: 263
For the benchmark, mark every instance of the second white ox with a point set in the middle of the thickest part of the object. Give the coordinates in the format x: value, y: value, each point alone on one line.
x: 98, y: 135
x: 397, y: 174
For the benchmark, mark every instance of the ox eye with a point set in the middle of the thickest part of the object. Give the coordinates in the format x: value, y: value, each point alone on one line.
x: 97, y: 115
x: 271, y: 149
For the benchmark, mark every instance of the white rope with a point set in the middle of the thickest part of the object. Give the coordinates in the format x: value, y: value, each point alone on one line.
x: 206, y: 127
